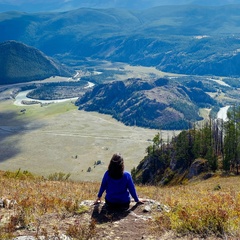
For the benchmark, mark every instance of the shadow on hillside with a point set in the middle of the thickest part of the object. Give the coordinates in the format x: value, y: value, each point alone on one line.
x: 12, y: 127
x: 101, y: 213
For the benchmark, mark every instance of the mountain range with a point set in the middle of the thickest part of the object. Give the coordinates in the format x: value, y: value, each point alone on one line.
x: 185, y: 39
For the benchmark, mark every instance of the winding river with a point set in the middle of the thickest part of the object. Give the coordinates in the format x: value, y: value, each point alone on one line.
x: 22, y: 96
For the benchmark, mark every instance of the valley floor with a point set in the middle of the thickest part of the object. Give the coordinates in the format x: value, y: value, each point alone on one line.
x: 60, y: 138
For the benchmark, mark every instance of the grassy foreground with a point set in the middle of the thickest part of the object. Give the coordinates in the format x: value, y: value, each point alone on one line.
x: 210, y: 207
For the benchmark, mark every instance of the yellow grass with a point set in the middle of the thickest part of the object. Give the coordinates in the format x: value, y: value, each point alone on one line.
x: 210, y: 207
x: 206, y: 207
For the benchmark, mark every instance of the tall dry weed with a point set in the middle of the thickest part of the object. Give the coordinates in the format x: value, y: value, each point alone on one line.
x: 196, y: 208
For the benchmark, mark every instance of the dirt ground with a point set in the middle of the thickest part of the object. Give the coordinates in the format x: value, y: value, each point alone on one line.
x: 98, y: 222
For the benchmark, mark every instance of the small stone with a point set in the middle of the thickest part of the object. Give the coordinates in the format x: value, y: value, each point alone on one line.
x: 147, y: 208
x: 25, y: 238
x: 161, y: 207
x: 61, y: 237
x: 1, y: 203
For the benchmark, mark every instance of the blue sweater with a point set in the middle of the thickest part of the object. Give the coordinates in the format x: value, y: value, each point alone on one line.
x: 118, y: 190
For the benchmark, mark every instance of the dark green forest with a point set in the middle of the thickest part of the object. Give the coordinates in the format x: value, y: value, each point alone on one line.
x: 202, y: 151
x: 58, y: 90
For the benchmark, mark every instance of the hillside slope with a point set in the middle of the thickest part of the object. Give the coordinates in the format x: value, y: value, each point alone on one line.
x: 159, y: 104
x: 64, y: 210
x: 21, y: 63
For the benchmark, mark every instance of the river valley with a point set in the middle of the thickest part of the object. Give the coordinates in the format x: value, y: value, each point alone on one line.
x: 57, y: 137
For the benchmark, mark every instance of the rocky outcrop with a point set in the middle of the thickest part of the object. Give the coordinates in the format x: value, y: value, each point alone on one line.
x: 109, y: 224
x: 197, y: 167
x: 185, y: 157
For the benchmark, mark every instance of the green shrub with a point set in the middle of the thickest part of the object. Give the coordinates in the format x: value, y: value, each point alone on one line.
x: 60, y: 176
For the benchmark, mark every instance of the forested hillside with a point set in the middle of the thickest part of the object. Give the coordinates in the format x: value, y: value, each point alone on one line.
x: 194, y: 152
x: 21, y: 63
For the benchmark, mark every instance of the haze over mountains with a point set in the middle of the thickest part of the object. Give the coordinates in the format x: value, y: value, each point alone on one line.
x: 64, y: 5
x: 191, y: 40
x: 185, y: 39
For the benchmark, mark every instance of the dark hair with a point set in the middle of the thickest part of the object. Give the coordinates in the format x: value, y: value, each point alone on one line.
x: 116, y: 166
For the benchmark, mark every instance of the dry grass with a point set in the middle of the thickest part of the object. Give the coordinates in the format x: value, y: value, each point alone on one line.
x: 38, y: 199
x: 211, y: 207
x: 60, y: 138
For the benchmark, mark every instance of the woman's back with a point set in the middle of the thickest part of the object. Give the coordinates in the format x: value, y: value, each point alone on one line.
x: 117, y: 183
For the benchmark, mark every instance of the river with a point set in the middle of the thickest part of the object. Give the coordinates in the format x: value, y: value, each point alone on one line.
x: 22, y: 96
x: 222, y: 113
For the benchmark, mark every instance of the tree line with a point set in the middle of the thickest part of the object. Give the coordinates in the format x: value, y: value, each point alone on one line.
x: 216, y: 142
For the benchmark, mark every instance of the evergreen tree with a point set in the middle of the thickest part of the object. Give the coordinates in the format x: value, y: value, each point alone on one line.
x: 232, y: 140
x: 213, y: 141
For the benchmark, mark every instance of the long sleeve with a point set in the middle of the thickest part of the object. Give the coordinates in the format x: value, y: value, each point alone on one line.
x: 118, y: 190
x: 103, y: 185
x: 131, y: 188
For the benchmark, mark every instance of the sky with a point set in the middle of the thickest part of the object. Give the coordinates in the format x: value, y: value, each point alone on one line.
x: 58, y: 5
x: 34, y: 5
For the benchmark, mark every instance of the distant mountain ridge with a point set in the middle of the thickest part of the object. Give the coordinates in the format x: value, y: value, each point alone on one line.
x: 186, y: 39
x: 21, y: 63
